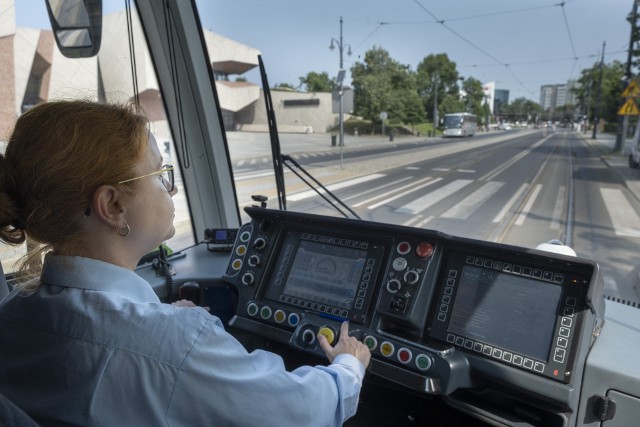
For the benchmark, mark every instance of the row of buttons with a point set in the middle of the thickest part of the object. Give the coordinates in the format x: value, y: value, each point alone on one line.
x: 241, y: 250
x: 302, y: 303
x: 566, y: 322
x: 283, y: 265
x: 279, y: 316
x: 446, y: 298
x: 321, y: 238
x: 549, y: 276
x: 497, y: 353
x: 404, y: 355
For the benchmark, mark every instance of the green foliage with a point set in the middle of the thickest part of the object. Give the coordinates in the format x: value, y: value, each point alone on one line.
x: 437, y: 78
x: 381, y: 84
x: 610, y: 90
x: 474, y: 97
x: 317, y: 82
x: 284, y: 87
x: 522, y: 110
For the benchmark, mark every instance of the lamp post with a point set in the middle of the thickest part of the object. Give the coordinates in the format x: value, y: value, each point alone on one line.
x: 341, y: 47
x: 436, y: 118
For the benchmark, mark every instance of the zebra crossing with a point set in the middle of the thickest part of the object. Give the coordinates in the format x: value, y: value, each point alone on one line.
x: 624, y: 218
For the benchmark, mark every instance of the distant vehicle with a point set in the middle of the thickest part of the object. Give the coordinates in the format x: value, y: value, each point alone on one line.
x: 505, y: 126
x: 460, y: 124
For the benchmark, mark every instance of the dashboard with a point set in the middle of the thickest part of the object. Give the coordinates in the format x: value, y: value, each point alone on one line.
x: 442, y: 315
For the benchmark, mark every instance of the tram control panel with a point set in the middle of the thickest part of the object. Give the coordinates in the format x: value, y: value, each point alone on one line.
x: 439, y: 313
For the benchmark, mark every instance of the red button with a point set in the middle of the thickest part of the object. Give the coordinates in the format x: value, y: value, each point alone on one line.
x: 404, y: 355
x: 403, y: 248
x: 424, y: 250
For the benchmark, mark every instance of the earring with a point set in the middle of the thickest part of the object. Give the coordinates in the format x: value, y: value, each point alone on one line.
x: 126, y: 233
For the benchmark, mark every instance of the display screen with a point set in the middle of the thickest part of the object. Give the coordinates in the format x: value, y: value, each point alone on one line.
x: 325, y: 273
x: 506, y: 311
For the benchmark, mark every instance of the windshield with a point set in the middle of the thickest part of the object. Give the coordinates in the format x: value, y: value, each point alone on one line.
x: 384, y: 156
x: 453, y: 122
x: 360, y: 91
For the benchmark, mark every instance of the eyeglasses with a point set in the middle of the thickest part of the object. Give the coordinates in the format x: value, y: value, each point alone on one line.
x: 166, y: 173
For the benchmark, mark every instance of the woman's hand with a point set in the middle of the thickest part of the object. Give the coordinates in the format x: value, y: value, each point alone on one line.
x: 345, y: 344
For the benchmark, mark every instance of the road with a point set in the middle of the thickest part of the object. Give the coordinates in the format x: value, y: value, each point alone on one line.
x: 518, y: 188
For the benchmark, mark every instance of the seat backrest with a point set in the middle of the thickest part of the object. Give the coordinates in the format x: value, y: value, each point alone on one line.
x: 4, y: 288
x: 12, y: 415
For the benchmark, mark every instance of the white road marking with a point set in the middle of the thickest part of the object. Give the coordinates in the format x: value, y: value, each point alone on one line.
x: 424, y: 202
x: 623, y: 217
x: 510, y: 203
x: 471, y: 203
x: 379, y: 196
x: 557, y: 210
x: 527, y: 207
x: 310, y: 193
x: 376, y: 189
x: 397, y: 196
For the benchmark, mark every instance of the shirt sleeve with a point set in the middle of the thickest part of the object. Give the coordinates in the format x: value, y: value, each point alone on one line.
x: 220, y: 383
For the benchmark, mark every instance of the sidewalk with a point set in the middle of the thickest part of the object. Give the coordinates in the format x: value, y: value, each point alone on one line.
x: 618, y: 162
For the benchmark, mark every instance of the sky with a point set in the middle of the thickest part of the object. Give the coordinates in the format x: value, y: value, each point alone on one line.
x: 518, y: 44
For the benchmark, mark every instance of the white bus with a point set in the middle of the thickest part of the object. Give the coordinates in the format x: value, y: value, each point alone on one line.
x: 460, y: 124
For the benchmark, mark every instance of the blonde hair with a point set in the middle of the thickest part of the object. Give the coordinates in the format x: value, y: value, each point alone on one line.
x: 59, y: 153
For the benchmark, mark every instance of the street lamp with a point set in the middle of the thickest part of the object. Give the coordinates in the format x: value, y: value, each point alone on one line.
x: 340, y: 79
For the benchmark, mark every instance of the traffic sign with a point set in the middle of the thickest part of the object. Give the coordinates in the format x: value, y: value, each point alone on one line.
x: 633, y: 90
x: 629, y: 109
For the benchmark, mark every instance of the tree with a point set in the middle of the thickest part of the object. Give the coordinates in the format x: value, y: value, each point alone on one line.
x: 474, y: 97
x: 587, y: 90
x: 522, y: 110
x: 284, y: 87
x: 382, y: 84
x: 317, y: 82
x: 437, y: 78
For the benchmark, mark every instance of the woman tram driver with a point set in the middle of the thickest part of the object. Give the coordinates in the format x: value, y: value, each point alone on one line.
x: 89, y: 343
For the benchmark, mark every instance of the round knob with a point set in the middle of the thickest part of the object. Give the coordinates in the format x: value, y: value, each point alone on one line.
x: 247, y: 279
x: 259, y: 243
x: 393, y: 285
x: 254, y: 260
x: 308, y: 337
x: 411, y: 277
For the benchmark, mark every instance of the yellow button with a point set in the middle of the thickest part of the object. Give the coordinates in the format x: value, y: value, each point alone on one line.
x: 328, y: 334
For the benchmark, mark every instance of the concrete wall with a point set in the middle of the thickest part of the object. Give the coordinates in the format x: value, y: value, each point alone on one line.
x: 295, y: 119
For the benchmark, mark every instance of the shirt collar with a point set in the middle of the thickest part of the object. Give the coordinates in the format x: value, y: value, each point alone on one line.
x: 95, y: 275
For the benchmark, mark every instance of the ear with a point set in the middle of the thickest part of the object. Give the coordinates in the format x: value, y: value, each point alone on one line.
x: 107, y: 204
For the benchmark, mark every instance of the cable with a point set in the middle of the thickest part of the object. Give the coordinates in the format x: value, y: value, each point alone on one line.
x: 460, y: 36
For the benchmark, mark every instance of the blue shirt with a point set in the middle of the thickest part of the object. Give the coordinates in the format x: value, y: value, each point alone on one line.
x: 94, y: 346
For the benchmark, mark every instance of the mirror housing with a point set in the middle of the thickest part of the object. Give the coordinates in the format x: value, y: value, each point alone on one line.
x: 76, y: 26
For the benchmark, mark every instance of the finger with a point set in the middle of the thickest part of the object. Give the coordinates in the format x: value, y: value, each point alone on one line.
x: 344, y: 329
x: 324, y: 344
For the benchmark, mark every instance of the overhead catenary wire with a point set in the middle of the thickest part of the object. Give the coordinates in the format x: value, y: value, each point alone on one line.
x: 469, y: 42
x: 498, y: 61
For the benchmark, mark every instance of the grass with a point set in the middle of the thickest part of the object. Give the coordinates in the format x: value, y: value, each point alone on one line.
x: 365, y: 127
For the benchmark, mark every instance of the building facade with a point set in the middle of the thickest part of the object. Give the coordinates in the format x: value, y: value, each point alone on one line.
x: 32, y: 70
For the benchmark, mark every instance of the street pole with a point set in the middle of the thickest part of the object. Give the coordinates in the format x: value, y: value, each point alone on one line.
x: 596, y: 118
x: 621, y: 133
x: 340, y: 86
x: 435, y: 104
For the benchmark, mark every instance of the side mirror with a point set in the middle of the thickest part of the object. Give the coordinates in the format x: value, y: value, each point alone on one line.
x: 77, y: 26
